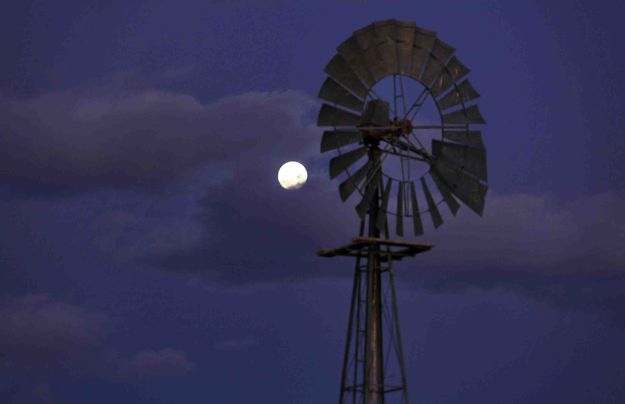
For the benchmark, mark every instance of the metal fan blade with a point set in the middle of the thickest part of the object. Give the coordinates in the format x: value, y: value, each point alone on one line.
x: 364, y: 38
x: 454, y: 71
x: 332, y: 116
x: 437, y: 220
x: 382, y: 59
x: 467, y: 138
x: 465, y: 186
x: 422, y: 43
x: 463, y: 93
x: 386, y: 29
x: 381, y: 219
x: 371, y: 192
x: 339, y: 69
x: 351, y: 48
x: 376, y: 113
x: 360, y: 68
x: 464, y: 116
x: 334, y: 92
x: 433, y: 69
x: 399, y: 224
x: 439, y: 55
x: 444, y: 189
x: 442, y: 51
x: 354, y: 56
x: 404, y: 42
x: 466, y: 158
x: 416, y: 216
x: 340, y: 163
x: 347, y: 187
x: 333, y: 139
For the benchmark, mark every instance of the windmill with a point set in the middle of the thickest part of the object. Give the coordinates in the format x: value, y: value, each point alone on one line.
x: 404, y: 163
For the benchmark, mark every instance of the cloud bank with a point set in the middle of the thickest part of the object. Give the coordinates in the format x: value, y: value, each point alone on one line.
x: 125, y: 138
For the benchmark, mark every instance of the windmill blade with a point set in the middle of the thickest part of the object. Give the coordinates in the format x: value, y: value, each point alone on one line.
x: 442, y: 51
x: 465, y: 186
x: 464, y: 116
x: 376, y: 113
x: 351, y: 47
x: 439, y: 55
x: 416, y: 216
x: 422, y: 43
x: 347, y: 187
x: 469, y: 138
x: 461, y: 94
x: 333, y: 139
x: 444, y: 189
x: 342, y: 162
x: 399, y: 223
x: 386, y: 29
x: 404, y: 42
x: 382, y: 59
x: 454, y: 71
x: 381, y: 219
x: 338, y: 68
x: 371, y: 192
x: 334, y: 92
x: 437, y: 220
x: 466, y: 158
x: 332, y: 116
x: 354, y: 57
x: 364, y: 38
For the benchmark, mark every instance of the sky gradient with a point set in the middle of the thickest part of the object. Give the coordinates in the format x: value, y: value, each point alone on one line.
x: 149, y: 255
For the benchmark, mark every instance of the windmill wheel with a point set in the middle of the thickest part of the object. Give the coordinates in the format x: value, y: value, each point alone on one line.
x: 380, y: 83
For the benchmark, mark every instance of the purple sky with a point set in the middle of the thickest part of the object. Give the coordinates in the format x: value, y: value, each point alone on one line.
x: 148, y: 254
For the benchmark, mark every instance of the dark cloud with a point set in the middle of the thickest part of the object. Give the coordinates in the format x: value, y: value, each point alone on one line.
x: 566, y: 252
x: 38, y: 331
x: 125, y: 137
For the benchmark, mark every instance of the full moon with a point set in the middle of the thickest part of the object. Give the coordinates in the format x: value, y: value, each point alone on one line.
x: 292, y: 175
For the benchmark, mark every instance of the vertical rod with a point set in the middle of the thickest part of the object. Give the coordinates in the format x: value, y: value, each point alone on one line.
x: 400, y: 348
x: 354, y: 311
x: 354, y: 306
x: 358, y: 338
x: 372, y: 362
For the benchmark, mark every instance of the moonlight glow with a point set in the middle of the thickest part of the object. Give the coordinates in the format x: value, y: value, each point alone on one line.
x: 292, y: 175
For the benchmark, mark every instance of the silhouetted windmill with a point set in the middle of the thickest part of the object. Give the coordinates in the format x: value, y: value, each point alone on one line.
x: 393, y: 135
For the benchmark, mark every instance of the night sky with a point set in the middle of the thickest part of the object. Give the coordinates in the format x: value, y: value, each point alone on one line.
x: 149, y: 255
